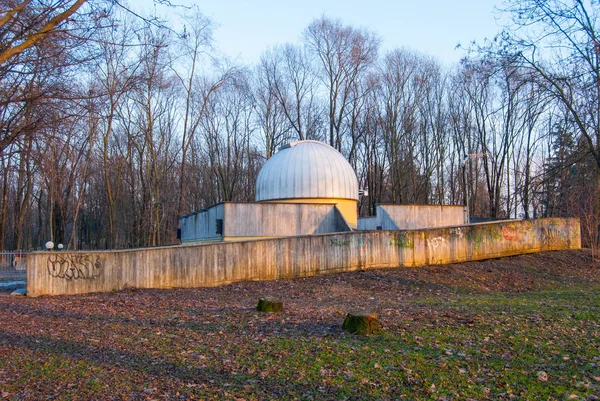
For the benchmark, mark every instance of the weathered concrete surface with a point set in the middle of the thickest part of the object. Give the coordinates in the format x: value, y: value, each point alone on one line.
x: 255, y: 220
x: 214, y: 264
x: 202, y: 225
x: 410, y: 217
x: 282, y: 219
x: 347, y: 207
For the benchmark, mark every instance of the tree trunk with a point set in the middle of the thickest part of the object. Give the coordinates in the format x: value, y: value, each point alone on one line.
x: 269, y: 304
x: 362, y: 323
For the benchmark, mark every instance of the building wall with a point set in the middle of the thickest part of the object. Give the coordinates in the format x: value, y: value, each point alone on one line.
x: 281, y: 219
x: 409, y: 217
x: 201, y: 225
x: 347, y: 207
x: 54, y: 273
x: 261, y: 220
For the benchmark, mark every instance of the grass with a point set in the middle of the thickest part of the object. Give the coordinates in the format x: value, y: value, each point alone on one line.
x: 440, y: 341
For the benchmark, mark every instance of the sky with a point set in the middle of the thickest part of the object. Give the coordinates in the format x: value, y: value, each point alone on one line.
x: 246, y: 28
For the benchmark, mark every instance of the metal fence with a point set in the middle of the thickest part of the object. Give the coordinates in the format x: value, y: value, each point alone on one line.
x: 13, y: 264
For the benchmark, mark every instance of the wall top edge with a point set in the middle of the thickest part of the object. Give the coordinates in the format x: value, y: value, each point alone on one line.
x: 343, y: 233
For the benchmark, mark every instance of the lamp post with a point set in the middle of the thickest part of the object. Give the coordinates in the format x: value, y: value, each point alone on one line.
x: 361, y: 194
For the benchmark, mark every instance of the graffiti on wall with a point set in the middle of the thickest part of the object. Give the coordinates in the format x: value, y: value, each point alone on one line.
x: 526, y: 226
x: 338, y: 243
x: 355, y: 242
x: 551, y: 235
x: 74, y: 267
x: 510, y: 233
x: 402, y: 240
x: 435, y: 243
x: 480, y: 234
x: 361, y: 246
x: 457, y: 232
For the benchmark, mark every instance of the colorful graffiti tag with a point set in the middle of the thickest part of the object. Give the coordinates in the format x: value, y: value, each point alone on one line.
x: 509, y: 233
x: 335, y: 242
x: 551, y: 235
x: 402, y: 240
x: 480, y: 234
x: 354, y: 242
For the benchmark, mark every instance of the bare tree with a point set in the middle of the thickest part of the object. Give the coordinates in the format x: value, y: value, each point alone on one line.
x: 289, y: 78
x: 402, y: 90
x: 24, y: 24
x: 228, y: 130
x: 270, y: 115
x: 117, y: 73
x: 559, y: 42
x: 344, y: 54
x: 195, y: 42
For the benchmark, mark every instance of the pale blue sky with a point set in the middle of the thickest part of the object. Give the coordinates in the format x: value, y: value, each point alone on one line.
x: 245, y: 28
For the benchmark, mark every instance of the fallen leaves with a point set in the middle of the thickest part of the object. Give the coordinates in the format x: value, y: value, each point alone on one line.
x: 464, y: 331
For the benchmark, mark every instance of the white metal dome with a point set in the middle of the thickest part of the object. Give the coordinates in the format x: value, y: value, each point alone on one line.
x: 306, y: 169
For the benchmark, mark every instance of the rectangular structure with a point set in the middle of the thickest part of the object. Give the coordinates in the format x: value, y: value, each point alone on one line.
x: 54, y: 273
x: 231, y: 221
x: 202, y: 225
x: 410, y: 217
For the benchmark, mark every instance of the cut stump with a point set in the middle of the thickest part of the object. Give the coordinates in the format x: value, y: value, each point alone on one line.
x: 362, y: 323
x: 269, y: 304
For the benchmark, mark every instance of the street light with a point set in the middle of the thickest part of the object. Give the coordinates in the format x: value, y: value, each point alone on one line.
x: 49, y: 245
x: 60, y: 247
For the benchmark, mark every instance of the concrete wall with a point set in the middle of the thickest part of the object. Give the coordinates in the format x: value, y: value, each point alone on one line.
x: 201, y: 225
x: 213, y: 264
x: 261, y: 220
x: 281, y: 219
x: 347, y: 207
x: 409, y: 217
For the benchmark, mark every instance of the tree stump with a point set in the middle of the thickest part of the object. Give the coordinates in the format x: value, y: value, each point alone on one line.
x: 269, y: 304
x: 362, y: 323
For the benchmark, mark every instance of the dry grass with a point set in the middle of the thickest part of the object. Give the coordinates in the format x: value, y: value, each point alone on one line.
x: 474, y: 330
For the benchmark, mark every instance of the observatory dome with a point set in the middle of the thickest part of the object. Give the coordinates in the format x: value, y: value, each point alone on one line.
x: 306, y: 170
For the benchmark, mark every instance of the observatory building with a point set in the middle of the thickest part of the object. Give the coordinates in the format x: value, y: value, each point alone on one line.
x: 310, y: 172
x: 306, y: 188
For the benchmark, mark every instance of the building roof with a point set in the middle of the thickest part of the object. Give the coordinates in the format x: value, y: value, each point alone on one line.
x: 306, y: 169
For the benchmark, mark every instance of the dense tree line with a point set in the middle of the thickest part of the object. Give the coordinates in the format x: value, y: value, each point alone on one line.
x: 113, y: 125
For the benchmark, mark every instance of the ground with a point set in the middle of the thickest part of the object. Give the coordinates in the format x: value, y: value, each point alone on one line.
x: 524, y: 327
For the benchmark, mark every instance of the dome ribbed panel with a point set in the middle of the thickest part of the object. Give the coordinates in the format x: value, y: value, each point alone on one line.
x: 312, y: 180
x: 307, y: 169
x: 337, y: 165
x: 321, y: 173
